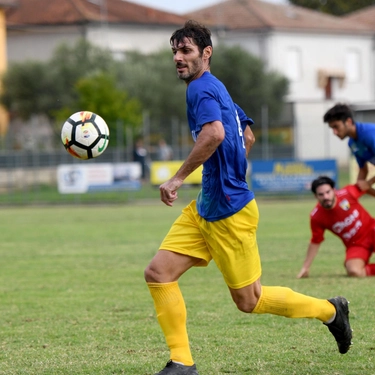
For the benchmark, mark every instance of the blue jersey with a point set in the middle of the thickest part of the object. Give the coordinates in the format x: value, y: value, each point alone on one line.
x: 363, y: 148
x: 224, y: 187
x: 245, y: 121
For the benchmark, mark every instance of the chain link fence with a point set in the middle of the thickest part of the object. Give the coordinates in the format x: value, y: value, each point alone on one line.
x: 31, y: 177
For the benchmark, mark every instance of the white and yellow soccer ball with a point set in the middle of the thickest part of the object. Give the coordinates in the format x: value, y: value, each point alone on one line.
x: 85, y: 135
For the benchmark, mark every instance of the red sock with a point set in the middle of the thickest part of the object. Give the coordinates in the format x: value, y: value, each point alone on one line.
x: 370, y: 269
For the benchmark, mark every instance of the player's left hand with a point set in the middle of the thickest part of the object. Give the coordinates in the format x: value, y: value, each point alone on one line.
x: 168, y: 190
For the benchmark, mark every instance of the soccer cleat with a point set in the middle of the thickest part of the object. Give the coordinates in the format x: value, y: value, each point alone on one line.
x: 340, y: 327
x: 173, y: 368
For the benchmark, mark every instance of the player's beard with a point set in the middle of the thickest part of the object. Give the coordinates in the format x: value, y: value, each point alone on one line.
x: 328, y: 203
x: 191, y: 71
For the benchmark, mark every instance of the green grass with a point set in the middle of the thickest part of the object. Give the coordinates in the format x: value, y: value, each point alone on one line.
x: 41, y: 195
x: 73, y: 299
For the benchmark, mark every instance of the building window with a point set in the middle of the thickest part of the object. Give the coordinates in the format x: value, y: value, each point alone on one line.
x: 352, y: 66
x: 293, y: 64
x: 331, y: 81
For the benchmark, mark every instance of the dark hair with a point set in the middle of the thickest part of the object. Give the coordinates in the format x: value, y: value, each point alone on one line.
x: 340, y: 112
x: 322, y: 180
x: 195, y: 31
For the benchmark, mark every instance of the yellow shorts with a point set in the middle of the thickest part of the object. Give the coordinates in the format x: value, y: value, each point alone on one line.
x: 230, y: 242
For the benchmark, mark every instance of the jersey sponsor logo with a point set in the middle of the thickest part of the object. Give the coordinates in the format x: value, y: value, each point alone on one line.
x: 342, y: 192
x: 349, y: 220
x: 344, y: 204
x: 348, y: 235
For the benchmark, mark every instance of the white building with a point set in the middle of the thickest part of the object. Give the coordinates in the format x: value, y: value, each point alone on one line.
x: 36, y: 27
x: 326, y: 58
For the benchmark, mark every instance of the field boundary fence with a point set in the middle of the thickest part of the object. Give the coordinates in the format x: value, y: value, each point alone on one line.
x: 31, y: 177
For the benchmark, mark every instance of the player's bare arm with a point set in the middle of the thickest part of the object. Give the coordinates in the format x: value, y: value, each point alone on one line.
x: 362, y: 183
x: 362, y: 173
x: 312, y: 251
x: 249, y: 139
x: 366, y: 185
x: 209, y: 139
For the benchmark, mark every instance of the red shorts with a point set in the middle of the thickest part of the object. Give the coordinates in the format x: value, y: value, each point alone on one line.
x: 358, y: 252
x: 362, y: 251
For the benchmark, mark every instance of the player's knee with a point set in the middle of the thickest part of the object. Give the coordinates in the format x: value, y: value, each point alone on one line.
x: 356, y: 267
x: 355, y: 272
x: 247, y: 306
x: 247, y: 298
x: 150, y: 275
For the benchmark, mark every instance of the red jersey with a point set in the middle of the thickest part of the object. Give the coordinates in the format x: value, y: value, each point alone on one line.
x: 347, y: 219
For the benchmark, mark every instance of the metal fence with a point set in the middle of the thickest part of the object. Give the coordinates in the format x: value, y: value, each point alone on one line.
x: 31, y: 177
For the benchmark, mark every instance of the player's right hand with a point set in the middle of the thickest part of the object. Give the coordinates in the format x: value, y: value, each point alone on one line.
x: 168, y: 190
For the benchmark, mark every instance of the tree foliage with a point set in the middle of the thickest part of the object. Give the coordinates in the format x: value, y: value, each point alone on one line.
x: 84, y: 77
x: 153, y: 80
x: 69, y: 64
x: 28, y: 88
x: 247, y: 81
x: 335, y: 7
x: 34, y: 87
x: 100, y: 94
x: 75, y: 78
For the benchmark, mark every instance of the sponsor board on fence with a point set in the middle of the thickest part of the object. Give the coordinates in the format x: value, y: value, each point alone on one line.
x: 162, y: 171
x: 83, y: 178
x: 289, y: 176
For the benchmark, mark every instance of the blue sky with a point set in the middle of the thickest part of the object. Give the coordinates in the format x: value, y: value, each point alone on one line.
x: 183, y: 6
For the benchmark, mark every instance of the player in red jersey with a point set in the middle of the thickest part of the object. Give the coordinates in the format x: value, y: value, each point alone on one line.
x: 340, y: 212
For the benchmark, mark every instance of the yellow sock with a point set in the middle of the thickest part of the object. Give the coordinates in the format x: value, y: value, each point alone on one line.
x: 283, y: 301
x: 171, y: 312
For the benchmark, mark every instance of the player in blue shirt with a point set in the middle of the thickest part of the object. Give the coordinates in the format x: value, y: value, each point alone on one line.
x: 224, y: 190
x: 222, y: 223
x: 361, y: 138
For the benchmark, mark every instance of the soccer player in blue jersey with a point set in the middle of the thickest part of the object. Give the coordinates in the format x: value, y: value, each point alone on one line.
x: 222, y: 223
x: 361, y: 138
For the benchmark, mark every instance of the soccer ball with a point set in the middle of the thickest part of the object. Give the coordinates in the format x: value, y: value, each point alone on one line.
x: 85, y: 135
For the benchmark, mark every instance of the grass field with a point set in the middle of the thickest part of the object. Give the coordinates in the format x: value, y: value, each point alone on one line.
x: 73, y: 299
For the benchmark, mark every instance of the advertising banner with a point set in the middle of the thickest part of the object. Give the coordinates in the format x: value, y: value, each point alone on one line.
x: 162, y: 171
x: 83, y: 178
x: 289, y: 176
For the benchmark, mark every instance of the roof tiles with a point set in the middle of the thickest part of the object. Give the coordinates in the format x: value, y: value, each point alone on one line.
x: 255, y: 14
x: 51, y: 12
x: 363, y: 16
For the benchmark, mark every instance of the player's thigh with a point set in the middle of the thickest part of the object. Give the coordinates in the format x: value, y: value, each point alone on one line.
x: 185, y: 236
x: 168, y: 266
x: 233, y: 245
